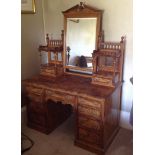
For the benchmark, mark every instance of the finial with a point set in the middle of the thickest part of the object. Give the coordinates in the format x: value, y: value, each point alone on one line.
x: 122, y: 39
x: 62, y: 35
x: 47, y: 39
x: 81, y: 6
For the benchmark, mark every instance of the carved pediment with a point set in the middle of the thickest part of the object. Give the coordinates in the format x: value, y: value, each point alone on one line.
x: 81, y: 8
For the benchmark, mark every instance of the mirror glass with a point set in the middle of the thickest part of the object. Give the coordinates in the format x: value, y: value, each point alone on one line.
x: 80, y: 42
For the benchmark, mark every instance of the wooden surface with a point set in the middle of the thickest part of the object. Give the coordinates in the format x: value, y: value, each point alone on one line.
x: 96, y: 108
x: 71, y: 84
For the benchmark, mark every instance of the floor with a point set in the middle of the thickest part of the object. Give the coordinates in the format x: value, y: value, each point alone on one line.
x: 61, y: 142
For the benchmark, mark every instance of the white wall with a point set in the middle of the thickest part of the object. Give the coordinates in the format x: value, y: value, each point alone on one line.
x: 32, y: 34
x: 117, y: 22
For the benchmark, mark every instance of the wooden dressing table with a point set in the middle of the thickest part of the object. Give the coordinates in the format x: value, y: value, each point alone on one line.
x: 95, y: 99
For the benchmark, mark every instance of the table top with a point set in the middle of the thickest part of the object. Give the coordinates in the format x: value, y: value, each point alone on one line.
x: 74, y: 85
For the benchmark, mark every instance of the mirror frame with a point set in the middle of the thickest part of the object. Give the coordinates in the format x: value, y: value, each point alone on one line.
x: 81, y: 11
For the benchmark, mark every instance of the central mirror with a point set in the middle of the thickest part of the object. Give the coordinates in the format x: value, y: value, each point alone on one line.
x: 80, y: 40
x: 82, y: 26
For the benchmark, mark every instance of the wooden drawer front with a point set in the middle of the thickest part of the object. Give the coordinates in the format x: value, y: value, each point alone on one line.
x: 89, y: 123
x: 102, y: 80
x: 37, y: 118
x: 92, y: 103
x: 35, y: 97
x: 89, y: 111
x: 37, y: 107
x: 58, y: 96
x: 52, y: 71
x: 34, y: 90
x: 47, y: 72
x: 87, y: 136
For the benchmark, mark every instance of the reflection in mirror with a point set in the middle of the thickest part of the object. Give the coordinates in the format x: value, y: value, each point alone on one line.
x: 80, y: 41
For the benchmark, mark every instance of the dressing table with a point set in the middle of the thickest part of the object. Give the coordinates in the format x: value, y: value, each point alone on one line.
x: 62, y: 88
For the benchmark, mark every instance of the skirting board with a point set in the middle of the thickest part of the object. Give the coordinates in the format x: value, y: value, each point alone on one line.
x: 124, y: 120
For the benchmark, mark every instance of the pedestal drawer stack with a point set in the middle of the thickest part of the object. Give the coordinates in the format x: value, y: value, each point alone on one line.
x: 44, y: 113
x: 89, y: 123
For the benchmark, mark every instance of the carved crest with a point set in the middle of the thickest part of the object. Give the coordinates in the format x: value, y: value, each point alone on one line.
x: 81, y: 8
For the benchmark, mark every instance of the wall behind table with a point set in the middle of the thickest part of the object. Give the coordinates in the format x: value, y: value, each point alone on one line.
x: 32, y: 34
x: 117, y: 21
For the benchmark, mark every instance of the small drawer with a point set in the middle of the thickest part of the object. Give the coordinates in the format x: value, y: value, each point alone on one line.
x: 89, y: 111
x: 37, y: 118
x: 102, y: 81
x: 89, y: 123
x: 92, y: 103
x: 90, y: 137
x: 52, y: 71
x: 48, y: 72
x: 34, y: 90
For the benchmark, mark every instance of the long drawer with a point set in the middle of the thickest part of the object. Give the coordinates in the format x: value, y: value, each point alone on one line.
x: 89, y: 123
x: 88, y: 111
x: 59, y: 96
x: 88, y: 136
x: 88, y: 102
